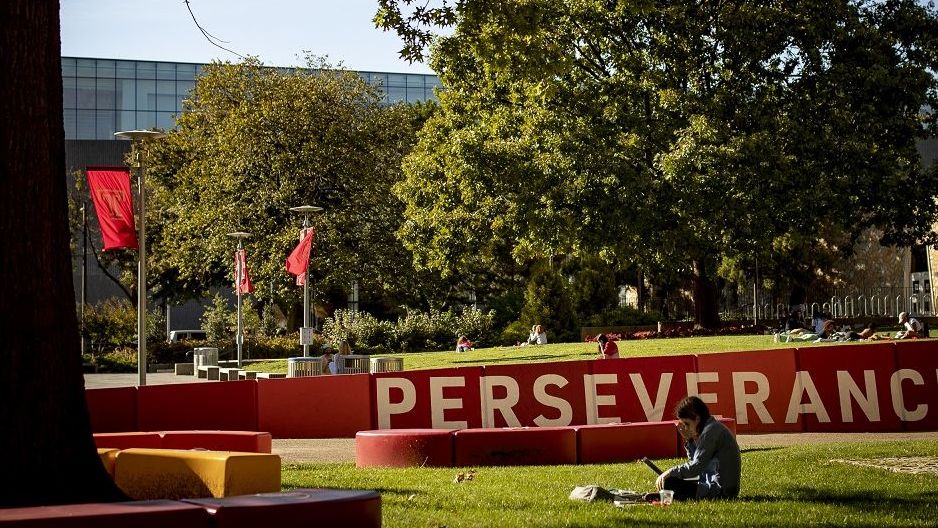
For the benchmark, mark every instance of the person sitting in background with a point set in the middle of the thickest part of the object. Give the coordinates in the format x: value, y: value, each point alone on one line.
x: 338, y: 361
x: 607, y: 347
x: 463, y: 344
x: 794, y: 322
x: 537, y: 337
x: 911, y: 327
x: 328, y: 362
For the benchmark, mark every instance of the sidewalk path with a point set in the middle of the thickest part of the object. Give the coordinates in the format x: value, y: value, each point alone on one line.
x: 100, y: 381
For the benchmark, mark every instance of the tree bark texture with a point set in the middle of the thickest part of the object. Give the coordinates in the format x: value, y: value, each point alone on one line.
x: 45, y: 433
x: 706, y: 311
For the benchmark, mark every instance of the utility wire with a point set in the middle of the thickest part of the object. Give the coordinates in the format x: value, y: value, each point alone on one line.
x: 208, y: 36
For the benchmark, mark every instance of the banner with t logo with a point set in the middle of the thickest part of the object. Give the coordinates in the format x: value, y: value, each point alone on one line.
x: 113, y: 203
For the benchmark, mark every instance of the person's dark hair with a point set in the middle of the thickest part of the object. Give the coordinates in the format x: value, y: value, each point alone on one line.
x: 693, y: 407
x: 601, y: 338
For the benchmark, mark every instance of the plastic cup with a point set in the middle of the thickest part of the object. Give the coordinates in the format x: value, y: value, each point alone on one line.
x: 667, y: 497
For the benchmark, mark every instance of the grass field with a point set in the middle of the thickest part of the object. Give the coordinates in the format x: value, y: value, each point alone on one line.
x: 568, y: 352
x: 784, y: 486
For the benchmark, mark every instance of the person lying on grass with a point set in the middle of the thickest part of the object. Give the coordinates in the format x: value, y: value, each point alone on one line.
x: 714, y: 462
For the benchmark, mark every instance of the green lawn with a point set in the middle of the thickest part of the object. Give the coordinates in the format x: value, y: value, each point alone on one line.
x: 788, y: 486
x: 568, y: 352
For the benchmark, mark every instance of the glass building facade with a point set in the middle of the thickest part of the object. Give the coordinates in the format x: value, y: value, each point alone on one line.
x: 103, y: 96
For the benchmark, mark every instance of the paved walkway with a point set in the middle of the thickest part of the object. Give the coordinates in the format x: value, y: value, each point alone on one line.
x: 100, y: 381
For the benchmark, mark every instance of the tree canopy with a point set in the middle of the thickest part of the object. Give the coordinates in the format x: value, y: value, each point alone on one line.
x: 684, y: 136
x: 255, y: 141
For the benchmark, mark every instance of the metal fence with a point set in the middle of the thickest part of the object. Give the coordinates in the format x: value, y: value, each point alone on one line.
x: 869, y: 302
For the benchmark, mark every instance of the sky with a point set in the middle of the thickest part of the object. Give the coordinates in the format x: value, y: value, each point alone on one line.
x: 277, y: 31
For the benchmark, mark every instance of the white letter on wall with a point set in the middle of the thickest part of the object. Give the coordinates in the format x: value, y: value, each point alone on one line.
x: 694, y: 379
x: 439, y: 404
x: 898, y: 401
x: 503, y: 405
x: 868, y: 401
x: 594, y: 401
x: 756, y: 399
x: 385, y: 407
x: 653, y: 411
x: 804, y: 384
x: 540, y: 394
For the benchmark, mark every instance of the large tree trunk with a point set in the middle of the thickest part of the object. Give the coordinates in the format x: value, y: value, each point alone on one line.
x: 49, y: 455
x: 706, y: 312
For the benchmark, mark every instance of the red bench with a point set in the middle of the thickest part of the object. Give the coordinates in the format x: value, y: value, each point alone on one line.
x: 243, y: 441
x: 515, y: 446
x: 404, y: 448
x: 139, y: 514
x: 299, y: 508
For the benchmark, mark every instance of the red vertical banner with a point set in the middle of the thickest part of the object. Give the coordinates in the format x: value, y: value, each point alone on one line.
x: 113, y: 203
x: 242, y: 275
x: 298, y: 260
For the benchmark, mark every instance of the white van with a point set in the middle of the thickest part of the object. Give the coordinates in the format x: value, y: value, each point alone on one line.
x: 186, y: 335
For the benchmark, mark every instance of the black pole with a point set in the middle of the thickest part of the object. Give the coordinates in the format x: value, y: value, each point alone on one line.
x: 84, y: 273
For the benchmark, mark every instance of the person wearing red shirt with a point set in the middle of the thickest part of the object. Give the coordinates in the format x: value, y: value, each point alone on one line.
x: 607, y: 347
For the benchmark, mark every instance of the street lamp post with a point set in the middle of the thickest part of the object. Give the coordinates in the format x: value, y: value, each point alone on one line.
x: 138, y: 137
x: 306, y: 210
x: 239, y: 271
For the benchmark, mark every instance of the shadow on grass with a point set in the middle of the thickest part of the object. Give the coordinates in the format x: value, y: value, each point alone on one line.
x: 862, y: 500
x: 759, y: 449
x: 516, y: 359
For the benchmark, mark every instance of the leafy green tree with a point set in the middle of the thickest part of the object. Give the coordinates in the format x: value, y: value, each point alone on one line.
x: 216, y: 320
x: 547, y: 303
x: 677, y: 135
x: 255, y: 141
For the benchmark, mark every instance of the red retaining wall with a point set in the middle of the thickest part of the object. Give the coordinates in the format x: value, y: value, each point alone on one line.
x: 637, y: 389
x: 440, y: 398
x: 315, y: 407
x: 846, y: 388
x: 917, y: 383
x: 869, y: 387
x: 112, y: 410
x: 231, y: 405
x: 753, y: 387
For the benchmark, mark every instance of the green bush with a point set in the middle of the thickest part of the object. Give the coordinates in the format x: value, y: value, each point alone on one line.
x: 263, y: 347
x: 110, y: 324
x: 513, y: 334
x: 216, y: 320
x: 415, y: 331
x: 117, y: 361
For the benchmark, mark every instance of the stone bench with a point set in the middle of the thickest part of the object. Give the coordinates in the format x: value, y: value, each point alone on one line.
x: 270, y: 375
x: 208, y: 372
x: 247, y: 374
x: 184, y: 369
x: 228, y: 374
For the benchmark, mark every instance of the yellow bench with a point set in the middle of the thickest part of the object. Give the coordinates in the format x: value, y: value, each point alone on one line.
x: 176, y: 474
x: 108, y: 458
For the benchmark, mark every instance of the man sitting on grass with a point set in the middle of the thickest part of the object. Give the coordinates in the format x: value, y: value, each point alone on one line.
x: 714, y: 461
x: 911, y: 327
